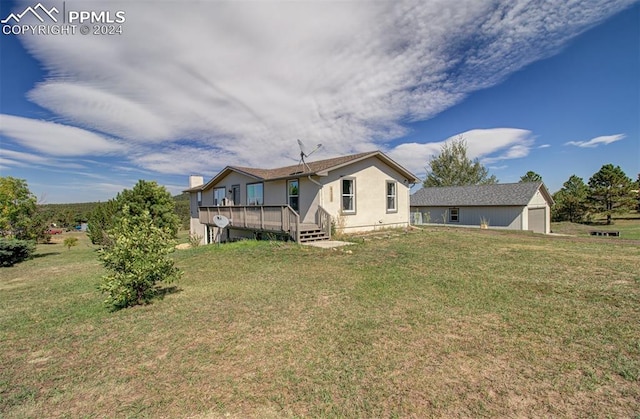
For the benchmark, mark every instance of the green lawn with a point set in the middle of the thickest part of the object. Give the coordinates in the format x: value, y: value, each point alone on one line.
x: 627, y: 225
x: 436, y: 322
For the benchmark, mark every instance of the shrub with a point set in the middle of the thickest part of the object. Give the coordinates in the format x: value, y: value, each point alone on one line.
x: 69, y: 242
x: 13, y: 251
x: 137, y: 260
x: 338, y: 224
x: 195, y: 240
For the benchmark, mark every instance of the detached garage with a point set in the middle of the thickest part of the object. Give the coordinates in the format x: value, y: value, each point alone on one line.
x: 514, y: 206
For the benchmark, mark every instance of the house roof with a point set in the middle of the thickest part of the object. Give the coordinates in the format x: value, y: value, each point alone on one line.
x: 317, y: 168
x: 500, y: 194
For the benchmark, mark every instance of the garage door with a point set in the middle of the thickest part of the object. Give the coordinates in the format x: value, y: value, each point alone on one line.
x: 537, y: 220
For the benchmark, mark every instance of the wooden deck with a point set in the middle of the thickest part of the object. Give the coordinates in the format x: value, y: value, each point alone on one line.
x: 280, y: 219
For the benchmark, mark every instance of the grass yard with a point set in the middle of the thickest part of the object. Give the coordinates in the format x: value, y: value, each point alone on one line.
x: 628, y: 225
x: 436, y: 322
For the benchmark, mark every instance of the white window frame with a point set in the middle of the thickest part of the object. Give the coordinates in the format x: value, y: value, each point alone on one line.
x: 454, y: 215
x: 343, y: 195
x: 393, y: 196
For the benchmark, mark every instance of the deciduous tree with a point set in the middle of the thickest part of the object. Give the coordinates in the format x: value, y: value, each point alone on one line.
x: 452, y: 167
x: 137, y: 260
x: 17, y: 209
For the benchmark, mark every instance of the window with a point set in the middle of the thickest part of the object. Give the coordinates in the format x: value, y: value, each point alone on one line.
x: 199, y: 198
x: 454, y: 215
x: 392, y: 197
x: 348, y: 195
x: 218, y: 196
x: 293, y: 192
x: 255, y: 195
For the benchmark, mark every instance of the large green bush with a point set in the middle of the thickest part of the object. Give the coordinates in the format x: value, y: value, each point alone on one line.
x: 137, y: 260
x: 13, y: 251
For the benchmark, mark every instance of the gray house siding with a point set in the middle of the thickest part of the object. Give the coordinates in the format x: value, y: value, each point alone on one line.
x: 275, y: 193
x: 504, y: 217
x: 514, y: 206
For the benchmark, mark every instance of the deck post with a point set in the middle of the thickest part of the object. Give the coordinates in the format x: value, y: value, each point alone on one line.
x: 285, y: 219
x: 261, y: 217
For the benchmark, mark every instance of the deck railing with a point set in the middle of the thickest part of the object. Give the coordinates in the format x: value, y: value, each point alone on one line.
x: 276, y: 218
x: 323, y: 219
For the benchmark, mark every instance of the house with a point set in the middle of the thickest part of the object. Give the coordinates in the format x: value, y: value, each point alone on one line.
x: 514, y: 206
x: 358, y: 192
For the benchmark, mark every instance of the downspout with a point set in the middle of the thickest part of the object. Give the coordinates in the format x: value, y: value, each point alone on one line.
x: 321, y: 201
x: 320, y: 198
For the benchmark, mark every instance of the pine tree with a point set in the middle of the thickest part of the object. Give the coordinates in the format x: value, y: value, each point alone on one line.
x: 610, y: 191
x: 531, y: 176
x: 145, y: 196
x: 571, y: 201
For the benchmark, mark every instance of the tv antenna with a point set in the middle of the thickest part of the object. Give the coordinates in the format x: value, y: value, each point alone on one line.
x: 304, y: 152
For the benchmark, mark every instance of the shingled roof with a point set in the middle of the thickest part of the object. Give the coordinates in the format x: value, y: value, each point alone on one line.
x: 501, y: 194
x: 310, y: 168
x: 319, y: 168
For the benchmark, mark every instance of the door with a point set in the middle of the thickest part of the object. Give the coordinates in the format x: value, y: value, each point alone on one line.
x: 235, y: 189
x: 293, y: 194
x: 537, y: 220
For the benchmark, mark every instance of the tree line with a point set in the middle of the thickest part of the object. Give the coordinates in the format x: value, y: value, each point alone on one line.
x: 608, y: 192
x: 69, y: 216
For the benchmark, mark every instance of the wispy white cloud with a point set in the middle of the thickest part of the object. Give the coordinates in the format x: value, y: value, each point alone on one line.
x: 101, y: 110
x: 24, y: 159
x: 487, y: 145
x: 53, y: 138
x: 598, y: 141
x: 239, y: 82
x: 8, y: 163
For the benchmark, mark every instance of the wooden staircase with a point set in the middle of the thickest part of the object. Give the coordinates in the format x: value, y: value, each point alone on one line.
x: 312, y: 233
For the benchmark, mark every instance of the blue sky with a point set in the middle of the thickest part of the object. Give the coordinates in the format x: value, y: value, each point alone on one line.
x: 189, y: 88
